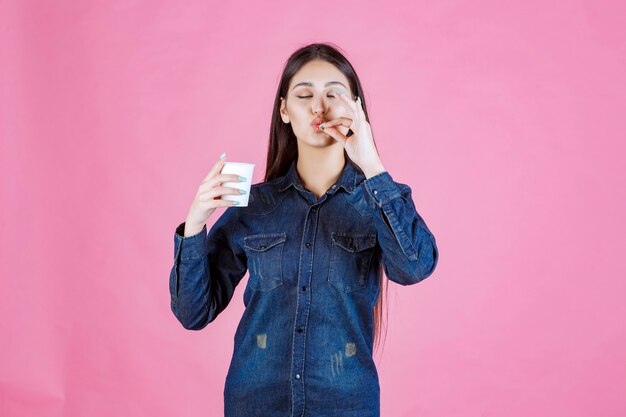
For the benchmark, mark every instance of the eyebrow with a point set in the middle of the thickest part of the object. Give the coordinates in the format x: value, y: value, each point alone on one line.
x: 309, y: 84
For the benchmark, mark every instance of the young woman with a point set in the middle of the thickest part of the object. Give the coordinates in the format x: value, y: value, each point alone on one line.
x: 315, y: 238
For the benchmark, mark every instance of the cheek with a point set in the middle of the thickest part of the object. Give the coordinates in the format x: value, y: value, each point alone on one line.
x: 341, y: 111
x: 299, y: 116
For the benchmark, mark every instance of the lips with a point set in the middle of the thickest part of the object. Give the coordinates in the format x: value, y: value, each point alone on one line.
x: 317, y: 122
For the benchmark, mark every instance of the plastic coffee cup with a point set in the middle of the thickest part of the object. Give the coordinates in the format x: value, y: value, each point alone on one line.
x: 243, y: 169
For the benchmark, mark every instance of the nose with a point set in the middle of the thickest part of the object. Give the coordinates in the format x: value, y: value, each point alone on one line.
x: 320, y: 105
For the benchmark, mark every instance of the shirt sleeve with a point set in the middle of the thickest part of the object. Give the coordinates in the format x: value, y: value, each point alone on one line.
x: 409, y: 250
x: 206, y: 270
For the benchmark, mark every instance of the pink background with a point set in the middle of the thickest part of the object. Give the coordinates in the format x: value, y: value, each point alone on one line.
x: 505, y: 118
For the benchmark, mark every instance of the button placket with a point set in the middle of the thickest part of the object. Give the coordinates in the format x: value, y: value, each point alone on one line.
x: 303, y: 306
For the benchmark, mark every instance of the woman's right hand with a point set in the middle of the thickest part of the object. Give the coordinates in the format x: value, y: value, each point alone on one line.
x: 208, y: 198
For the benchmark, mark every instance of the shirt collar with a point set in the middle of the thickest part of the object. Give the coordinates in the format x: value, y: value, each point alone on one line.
x: 349, y: 178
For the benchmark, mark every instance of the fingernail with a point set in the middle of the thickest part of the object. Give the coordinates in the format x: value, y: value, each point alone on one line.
x: 358, y: 100
x: 322, y: 126
x: 223, y: 155
x: 338, y: 91
x: 242, y: 191
x: 242, y: 178
x: 235, y: 203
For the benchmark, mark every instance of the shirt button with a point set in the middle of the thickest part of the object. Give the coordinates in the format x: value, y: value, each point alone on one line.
x: 300, y: 330
x: 308, y: 245
x: 375, y: 192
x: 297, y: 376
x: 304, y: 288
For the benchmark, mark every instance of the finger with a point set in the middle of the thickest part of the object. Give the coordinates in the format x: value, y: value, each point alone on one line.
x: 351, y: 105
x: 217, y: 181
x: 347, y: 102
x: 334, y: 133
x: 343, y: 121
x: 359, y: 105
x: 216, y: 203
x: 216, y: 168
x: 217, y: 192
x: 228, y: 178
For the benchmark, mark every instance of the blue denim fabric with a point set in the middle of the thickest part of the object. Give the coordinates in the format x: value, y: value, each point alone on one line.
x: 304, y: 344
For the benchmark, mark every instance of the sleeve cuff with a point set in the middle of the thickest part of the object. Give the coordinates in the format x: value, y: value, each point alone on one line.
x: 382, y: 188
x: 189, y: 247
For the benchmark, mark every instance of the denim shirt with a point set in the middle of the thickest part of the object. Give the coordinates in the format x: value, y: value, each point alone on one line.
x: 304, y: 344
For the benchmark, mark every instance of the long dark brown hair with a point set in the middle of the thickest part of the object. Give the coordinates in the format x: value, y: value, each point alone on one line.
x: 283, y: 147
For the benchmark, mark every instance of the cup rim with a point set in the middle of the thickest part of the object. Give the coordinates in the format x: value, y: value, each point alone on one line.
x: 239, y: 163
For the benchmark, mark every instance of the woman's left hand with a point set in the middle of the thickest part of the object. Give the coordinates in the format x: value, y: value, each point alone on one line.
x: 360, y: 145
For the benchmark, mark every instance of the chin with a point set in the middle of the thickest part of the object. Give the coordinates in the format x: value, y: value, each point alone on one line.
x: 317, y: 140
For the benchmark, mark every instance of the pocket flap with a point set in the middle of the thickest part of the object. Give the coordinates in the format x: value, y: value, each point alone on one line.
x: 264, y: 241
x: 354, y: 242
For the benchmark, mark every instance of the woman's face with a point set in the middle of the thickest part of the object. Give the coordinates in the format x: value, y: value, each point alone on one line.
x: 310, y: 96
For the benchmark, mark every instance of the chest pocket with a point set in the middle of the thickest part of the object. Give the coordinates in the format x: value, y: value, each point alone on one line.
x: 350, y: 258
x: 265, y: 260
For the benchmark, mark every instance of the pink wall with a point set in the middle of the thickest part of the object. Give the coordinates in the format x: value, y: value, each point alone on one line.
x: 506, y: 118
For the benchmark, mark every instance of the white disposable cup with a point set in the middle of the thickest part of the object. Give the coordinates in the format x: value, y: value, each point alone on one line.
x: 243, y: 169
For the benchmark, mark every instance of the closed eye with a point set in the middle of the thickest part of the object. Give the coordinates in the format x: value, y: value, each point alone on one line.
x: 312, y: 96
